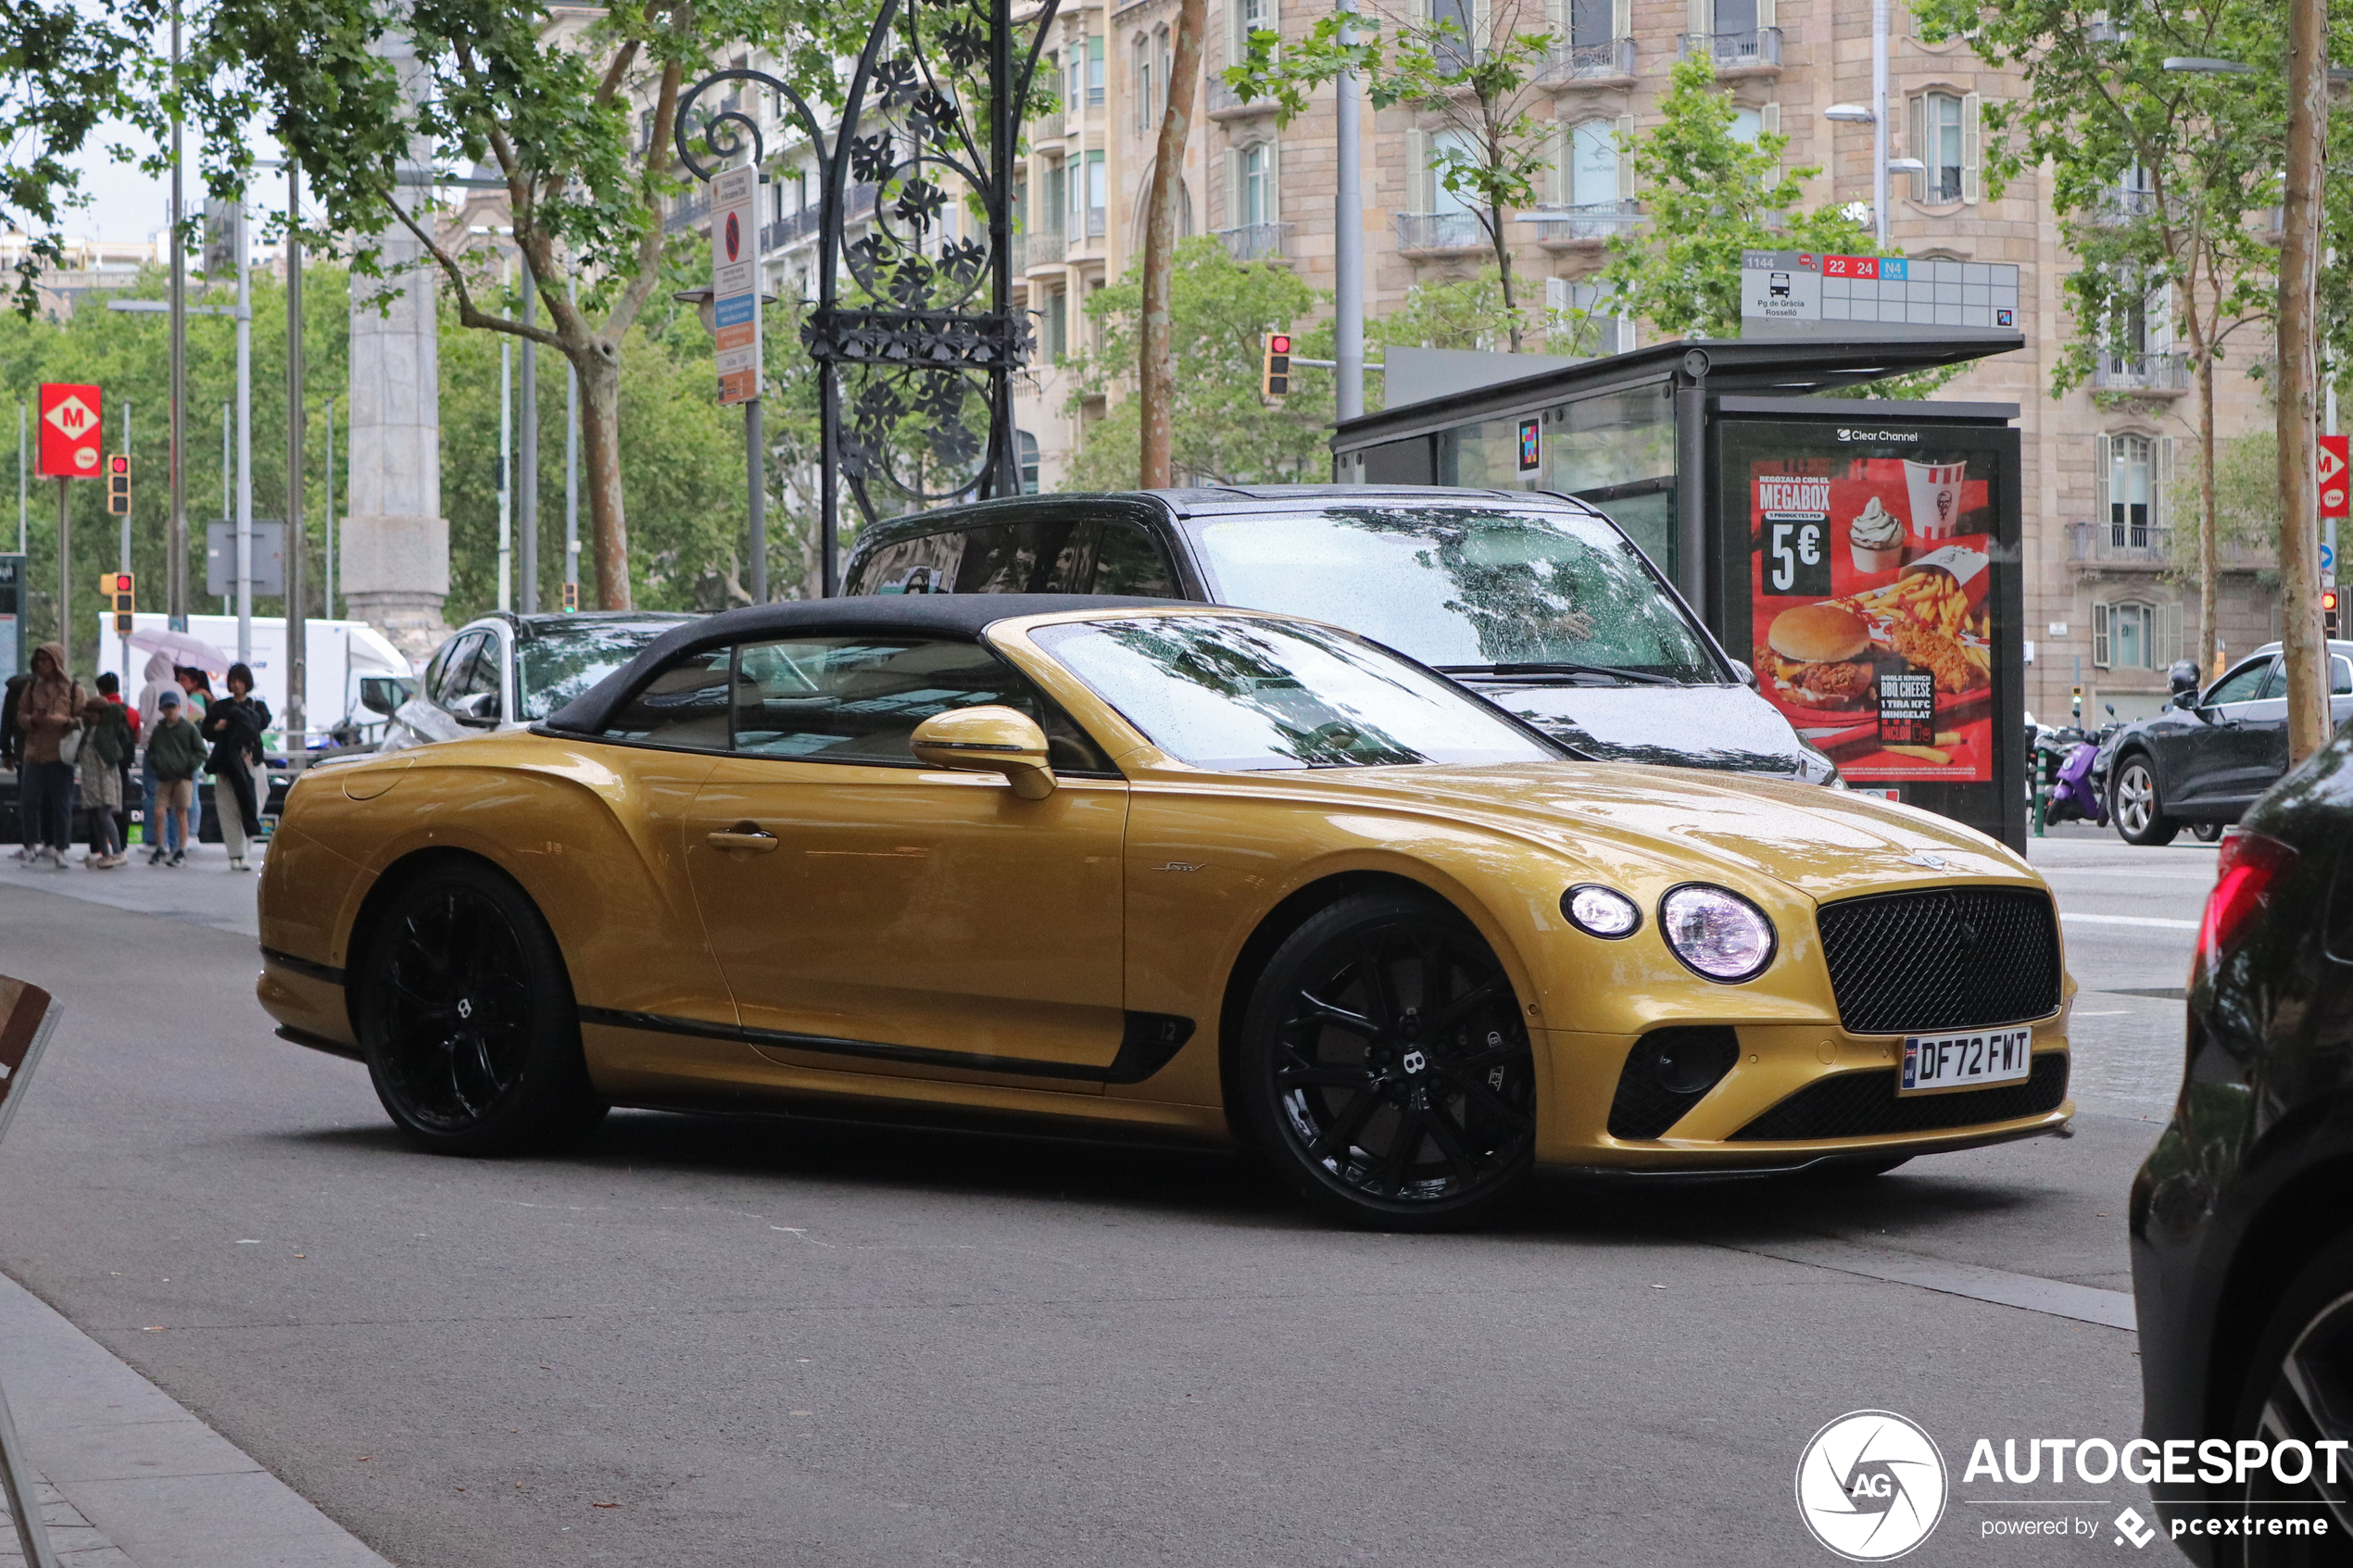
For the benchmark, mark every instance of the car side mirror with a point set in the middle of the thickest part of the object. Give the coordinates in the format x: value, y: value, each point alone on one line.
x: 477, y: 707
x: 380, y: 694
x: 989, y: 740
x: 1747, y: 674
x: 2185, y: 700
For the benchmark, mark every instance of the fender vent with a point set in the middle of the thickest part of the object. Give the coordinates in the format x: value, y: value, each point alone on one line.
x: 1668, y: 1072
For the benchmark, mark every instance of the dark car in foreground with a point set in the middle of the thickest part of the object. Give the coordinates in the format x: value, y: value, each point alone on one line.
x: 2204, y: 760
x: 1536, y: 601
x: 2242, y: 1230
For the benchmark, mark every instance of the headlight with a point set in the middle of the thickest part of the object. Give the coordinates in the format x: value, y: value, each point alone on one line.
x: 1717, y: 931
x: 1601, y: 912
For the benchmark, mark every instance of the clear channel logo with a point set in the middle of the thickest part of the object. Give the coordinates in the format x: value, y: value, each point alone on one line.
x: 1870, y: 1486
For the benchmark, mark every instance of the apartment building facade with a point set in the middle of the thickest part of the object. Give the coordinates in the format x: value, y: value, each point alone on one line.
x: 2103, y: 608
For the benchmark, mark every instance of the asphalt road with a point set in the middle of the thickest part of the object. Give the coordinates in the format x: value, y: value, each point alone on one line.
x: 782, y: 1342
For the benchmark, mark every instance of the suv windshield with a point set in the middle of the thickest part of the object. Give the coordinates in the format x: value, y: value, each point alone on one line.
x: 1462, y: 587
x: 1237, y: 694
x: 553, y: 667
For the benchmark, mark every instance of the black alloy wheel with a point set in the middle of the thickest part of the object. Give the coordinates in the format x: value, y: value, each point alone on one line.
x: 2206, y: 833
x: 2138, y: 813
x: 2300, y: 1385
x: 1385, y: 1067
x: 466, y: 1019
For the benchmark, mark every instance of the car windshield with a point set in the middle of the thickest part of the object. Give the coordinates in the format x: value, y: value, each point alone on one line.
x: 556, y: 665
x: 1237, y: 694
x: 1462, y: 586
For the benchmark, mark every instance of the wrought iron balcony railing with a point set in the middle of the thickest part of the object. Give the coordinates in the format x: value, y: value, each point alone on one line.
x: 2117, y: 371
x: 1044, y: 249
x: 1257, y: 242
x: 1440, y: 231
x: 1577, y: 62
x: 1732, y: 51
x: 1583, y: 221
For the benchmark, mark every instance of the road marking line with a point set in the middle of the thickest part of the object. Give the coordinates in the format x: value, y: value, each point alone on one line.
x: 2149, y: 920
x: 2110, y: 1308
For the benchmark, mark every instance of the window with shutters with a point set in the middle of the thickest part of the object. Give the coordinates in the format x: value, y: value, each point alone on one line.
x: 1252, y: 202
x: 1936, y: 141
x: 2127, y: 635
x: 1250, y: 15
x: 1592, y: 163
x: 2130, y: 491
x: 1095, y: 70
x: 1140, y: 69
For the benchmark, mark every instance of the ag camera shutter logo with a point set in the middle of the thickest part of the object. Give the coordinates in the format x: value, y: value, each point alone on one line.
x: 1870, y: 1486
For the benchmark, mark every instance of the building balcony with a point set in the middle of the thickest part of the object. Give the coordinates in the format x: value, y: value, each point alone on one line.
x: 1441, y: 233
x: 690, y: 211
x: 2118, y: 207
x: 2166, y: 374
x: 1585, y: 223
x: 1257, y: 242
x: 1573, y: 63
x: 1045, y: 249
x: 1757, y: 49
x: 2148, y: 547
x: 1226, y: 104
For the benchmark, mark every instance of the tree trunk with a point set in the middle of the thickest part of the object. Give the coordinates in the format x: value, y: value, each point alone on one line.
x: 2208, y: 611
x: 600, y: 443
x: 1157, y: 354
x: 1495, y: 221
x: 2304, y: 644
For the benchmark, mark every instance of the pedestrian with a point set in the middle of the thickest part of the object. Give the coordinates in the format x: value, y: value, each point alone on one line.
x: 50, y: 713
x: 106, y: 740
x: 233, y: 724
x: 161, y: 678
x: 110, y: 687
x: 12, y: 758
x: 195, y: 688
x: 174, y: 753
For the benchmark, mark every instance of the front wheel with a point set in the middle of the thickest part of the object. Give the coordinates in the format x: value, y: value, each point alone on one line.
x: 1384, y: 1067
x: 466, y: 1019
x: 2140, y: 816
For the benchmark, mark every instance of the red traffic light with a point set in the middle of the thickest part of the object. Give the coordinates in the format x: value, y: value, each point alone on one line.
x: 121, y: 583
x: 118, y: 463
x: 1278, y: 343
x: 2328, y: 601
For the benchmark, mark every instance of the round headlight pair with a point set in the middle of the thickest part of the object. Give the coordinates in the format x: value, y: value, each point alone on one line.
x: 1716, y: 932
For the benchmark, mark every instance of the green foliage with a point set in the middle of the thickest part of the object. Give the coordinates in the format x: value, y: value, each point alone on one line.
x: 1223, y: 432
x: 1484, y: 94
x: 1709, y: 196
x: 2247, y: 499
x: 67, y: 69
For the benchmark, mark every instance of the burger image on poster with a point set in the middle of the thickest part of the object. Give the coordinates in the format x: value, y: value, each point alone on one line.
x: 1820, y: 656
x: 1876, y: 539
x: 1935, y: 492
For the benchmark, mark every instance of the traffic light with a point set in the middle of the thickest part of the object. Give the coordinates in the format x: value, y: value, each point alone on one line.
x: 572, y: 597
x: 2328, y: 610
x: 1276, y: 380
x: 119, y: 484
x: 118, y: 590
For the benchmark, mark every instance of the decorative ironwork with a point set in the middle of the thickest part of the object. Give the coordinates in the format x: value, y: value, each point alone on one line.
x: 912, y: 333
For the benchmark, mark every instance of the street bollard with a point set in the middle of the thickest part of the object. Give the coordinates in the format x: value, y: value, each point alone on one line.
x: 28, y: 1017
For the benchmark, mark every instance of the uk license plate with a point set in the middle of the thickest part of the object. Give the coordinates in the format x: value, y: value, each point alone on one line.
x: 1952, y: 1061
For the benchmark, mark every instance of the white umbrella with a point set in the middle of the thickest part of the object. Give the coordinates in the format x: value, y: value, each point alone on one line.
x: 184, y: 649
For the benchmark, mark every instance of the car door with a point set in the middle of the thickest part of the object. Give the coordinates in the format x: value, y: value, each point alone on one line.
x: 874, y: 915
x: 2203, y: 764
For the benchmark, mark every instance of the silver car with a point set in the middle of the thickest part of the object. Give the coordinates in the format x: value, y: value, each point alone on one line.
x: 502, y: 671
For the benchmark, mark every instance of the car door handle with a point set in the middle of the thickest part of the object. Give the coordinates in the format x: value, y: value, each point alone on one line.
x: 743, y: 835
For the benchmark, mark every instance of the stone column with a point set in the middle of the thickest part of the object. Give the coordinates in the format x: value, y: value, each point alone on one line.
x: 395, y: 542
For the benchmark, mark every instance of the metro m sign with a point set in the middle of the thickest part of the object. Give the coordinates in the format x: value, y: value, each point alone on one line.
x: 70, y: 430
x: 2335, y: 479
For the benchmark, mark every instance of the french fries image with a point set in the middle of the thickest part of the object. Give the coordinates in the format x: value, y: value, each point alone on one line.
x: 1925, y: 753
x: 1924, y: 616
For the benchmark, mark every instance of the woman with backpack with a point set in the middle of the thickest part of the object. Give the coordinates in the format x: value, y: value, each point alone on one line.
x: 235, y: 724
x: 106, y: 740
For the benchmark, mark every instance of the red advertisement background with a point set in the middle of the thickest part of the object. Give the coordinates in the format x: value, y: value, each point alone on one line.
x: 1851, y: 736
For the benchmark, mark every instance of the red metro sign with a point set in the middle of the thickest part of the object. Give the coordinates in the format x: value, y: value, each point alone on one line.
x: 70, y: 430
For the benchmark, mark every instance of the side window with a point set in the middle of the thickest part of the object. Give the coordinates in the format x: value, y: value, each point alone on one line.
x: 859, y: 699
x: 449, y: 666
x: 1045, y: 556
x: 1128, y: 561
x: 927, y: 565
x: 2240, y: 684
x: 684, y: 705
x: 2340, y: 677
x: 473, y: 681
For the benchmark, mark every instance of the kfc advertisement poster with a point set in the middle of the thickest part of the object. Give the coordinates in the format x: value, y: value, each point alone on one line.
x: 1870, y: 617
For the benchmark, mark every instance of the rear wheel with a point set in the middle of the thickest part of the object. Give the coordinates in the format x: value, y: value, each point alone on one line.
x: 1385, y: 1068
x: 2300, y: 1385
x: 2139, y: 814
x: 466, y: 1019
x: 2206, y: 833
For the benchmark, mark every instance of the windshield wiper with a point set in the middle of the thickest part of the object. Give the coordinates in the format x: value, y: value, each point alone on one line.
x: 1507, y: 671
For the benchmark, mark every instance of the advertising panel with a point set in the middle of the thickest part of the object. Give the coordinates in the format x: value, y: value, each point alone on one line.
x: 1871, y: 578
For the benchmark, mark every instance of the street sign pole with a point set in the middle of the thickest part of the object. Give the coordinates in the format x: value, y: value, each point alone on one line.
x: 245, y: 440
x: 297, y: 616
x: 65, y: 571
x: 122, y: 554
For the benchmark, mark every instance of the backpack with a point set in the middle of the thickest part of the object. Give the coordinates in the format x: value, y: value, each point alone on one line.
x: 110, y: 739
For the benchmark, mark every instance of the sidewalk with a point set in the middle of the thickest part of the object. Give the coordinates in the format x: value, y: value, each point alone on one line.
x: 132, y: 1480
x: 205, y: 891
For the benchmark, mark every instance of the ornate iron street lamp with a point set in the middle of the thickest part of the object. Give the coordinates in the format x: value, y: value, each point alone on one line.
x: 908, y: 360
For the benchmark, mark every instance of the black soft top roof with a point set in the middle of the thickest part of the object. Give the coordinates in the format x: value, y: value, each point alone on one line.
x: 947, y: 615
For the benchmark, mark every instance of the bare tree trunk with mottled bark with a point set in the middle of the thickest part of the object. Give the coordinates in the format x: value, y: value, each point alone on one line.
x: 1157, y: 359
x: 2303, y: 639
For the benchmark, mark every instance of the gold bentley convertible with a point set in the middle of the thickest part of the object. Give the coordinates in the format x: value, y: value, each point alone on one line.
x: 1182, y: 870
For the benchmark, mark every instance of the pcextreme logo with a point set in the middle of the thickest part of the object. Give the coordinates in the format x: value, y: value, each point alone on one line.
x: 1870, y: 1486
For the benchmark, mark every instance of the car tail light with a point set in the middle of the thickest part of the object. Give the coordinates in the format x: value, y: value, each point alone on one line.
x: 2249, y: 864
